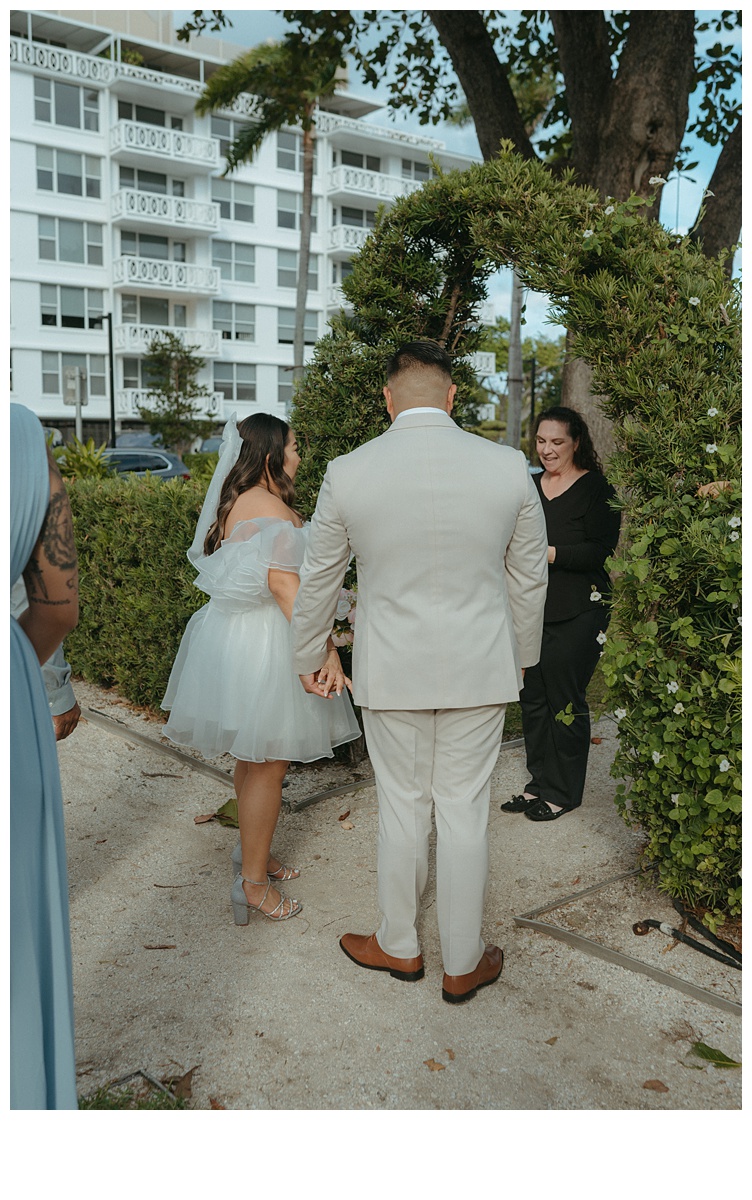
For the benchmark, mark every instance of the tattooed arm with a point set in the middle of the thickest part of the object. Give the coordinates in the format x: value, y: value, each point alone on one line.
x: 51, y: 575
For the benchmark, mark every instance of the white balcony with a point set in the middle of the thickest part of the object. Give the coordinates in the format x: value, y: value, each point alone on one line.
x: 156, y: 213
x: 354, y: 181
x: 346, y: 239
x: 160, y: 276
x: 335, y: 297
x: 135, y: 339
x: 84, y: 68
x: 483, y: 363
x: 129, y: 400
x: 133, y: 142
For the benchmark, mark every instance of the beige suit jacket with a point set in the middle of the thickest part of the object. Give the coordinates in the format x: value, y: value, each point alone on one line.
x: 450, y: 542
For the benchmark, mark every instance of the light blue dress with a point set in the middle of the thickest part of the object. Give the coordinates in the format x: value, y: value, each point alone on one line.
x: 42, y: 1061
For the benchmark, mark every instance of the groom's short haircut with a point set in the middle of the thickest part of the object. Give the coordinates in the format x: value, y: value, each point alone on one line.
x: 425, y: 353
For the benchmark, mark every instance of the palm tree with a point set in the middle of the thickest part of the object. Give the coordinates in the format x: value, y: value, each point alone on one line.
x: 287, y: 79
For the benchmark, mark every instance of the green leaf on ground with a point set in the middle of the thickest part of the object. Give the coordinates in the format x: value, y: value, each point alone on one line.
x: 228, y: 813
x: 716, y: 1057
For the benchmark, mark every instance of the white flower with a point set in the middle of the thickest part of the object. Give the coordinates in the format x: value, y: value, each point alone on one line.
x: 735, y: 522
x: 656, y: 757
x: 620, y: 713
x: 711, y: 448
x: 655, y: 180
x: 738, y: 620
x: 673, y: 686
x: 595, y: 595
x: 712, y: 412
x: 601, y: 639
x: 707, y: 193
x: 724, y: 765
x: 733, y: 537
x: 343, y: 606
x: 679, y: 708
x: 609, y: 210
x: 588, y: 233
x: 674, y: 797
x: 694, y: 301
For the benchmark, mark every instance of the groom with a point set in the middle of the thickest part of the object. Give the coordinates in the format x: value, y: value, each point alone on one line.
x: 451, y: 550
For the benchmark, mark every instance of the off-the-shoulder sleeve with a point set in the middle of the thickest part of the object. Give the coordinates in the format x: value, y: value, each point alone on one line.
x: 239, y: 569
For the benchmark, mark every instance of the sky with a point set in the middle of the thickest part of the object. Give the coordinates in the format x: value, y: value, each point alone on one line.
x: 679, y: 204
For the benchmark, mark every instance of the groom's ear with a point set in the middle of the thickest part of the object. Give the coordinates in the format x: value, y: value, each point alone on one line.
x: 389, y: 402
x: 450, y: 399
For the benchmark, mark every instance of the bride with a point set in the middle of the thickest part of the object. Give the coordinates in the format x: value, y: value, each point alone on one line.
x: 232, y: 688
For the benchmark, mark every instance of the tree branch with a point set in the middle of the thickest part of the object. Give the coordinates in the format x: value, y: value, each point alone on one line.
x: 721, y: 223
x: 484, y: 81
x: 585, y: 60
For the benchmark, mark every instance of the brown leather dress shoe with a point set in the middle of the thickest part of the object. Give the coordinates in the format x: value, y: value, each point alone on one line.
x: 366, y: 952
x: 463, y: 987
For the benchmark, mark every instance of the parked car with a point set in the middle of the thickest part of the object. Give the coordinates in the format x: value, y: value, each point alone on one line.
x: 54, y: 436
x: 139, y: 437
x: 160, y: 463
x: 209, y: 445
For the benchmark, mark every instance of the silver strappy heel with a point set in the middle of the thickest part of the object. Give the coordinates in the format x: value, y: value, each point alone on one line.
x: 281, y: 875
x: 242, y: 907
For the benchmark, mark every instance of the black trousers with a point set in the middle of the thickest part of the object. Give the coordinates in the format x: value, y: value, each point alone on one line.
x: 557, y: 754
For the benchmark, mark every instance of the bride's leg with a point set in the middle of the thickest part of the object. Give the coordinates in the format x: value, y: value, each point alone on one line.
x: 259, y: 802
x: 239, y: 779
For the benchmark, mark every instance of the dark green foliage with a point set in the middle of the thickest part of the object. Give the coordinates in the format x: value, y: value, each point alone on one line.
x: 201, y: 465
x: 660, y: 325
x: 176, y: 398
x: 136, y: 584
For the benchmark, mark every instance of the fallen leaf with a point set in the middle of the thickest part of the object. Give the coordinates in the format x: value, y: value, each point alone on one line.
x: 577, y: 880
x: 596, y: 741
x: 161, y: 775
x: 655, y: 1085
x: 170, y: 947
x: 716, y: 1057
x: 316, y: 856
x: 714, y: 488
x: 101, y: 842
x: 551, y: 1041
x: 589, y: 987
x: 433, y: 1065
x: 174, y: 885
x: 228, y: 813
x: 344, y: 815
x: 347, y: 825
x: 206, y: 817
x: 451, y: 1054
x: 181, y: 1085
x: 214, y: 1103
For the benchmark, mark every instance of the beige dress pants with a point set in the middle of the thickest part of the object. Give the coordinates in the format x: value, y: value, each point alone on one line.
x: 444, y: 756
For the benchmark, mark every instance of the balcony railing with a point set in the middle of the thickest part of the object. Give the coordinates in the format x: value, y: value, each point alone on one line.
x: 156, y: 274
x: 129, y: 400
x: 335, y: 297
x: 357, y: 182
x: 347, y: 237
x: 135, y: 339
x: 150, y: 208
x: 186, y: 150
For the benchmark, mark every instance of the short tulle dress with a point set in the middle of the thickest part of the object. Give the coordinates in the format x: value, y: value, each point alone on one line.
x: 232, y: 688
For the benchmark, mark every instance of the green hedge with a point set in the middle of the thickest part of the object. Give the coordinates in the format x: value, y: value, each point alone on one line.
x: 136, y: 584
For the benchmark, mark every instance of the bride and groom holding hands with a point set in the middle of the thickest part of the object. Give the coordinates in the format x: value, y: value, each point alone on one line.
x: 451, y: 549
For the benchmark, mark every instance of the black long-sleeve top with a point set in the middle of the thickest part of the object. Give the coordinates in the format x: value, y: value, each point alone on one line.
x: 584, y: 529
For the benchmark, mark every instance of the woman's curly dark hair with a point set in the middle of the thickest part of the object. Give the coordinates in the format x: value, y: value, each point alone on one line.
x: 585, y: 456
x: 263, y: 436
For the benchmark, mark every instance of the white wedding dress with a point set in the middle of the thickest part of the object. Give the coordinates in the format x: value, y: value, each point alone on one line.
x: 232, y: 688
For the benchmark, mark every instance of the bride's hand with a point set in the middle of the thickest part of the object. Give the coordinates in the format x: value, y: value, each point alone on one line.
x: 331, y: 677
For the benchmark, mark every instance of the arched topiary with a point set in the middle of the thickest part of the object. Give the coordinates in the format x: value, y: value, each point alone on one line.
x: 660, y: 326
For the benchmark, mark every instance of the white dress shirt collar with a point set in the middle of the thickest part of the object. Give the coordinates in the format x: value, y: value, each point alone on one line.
x: 408, y: 412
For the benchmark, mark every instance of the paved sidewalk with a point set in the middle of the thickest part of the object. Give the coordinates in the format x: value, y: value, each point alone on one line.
x: 276, y: 1017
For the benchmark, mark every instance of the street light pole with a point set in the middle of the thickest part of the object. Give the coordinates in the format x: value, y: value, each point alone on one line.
x: 99, y: 321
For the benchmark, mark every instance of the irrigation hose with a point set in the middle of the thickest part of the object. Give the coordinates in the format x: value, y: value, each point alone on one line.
x: 726, y: 947
x: 643, y: 927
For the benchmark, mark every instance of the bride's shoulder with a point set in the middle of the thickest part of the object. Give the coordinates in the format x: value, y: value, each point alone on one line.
x: 258, y: 504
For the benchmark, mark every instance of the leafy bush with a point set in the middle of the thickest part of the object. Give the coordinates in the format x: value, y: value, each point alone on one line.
x: 136, y: 583
x: 82, y: 460
x: 661, y: 328
x: 201, y: 465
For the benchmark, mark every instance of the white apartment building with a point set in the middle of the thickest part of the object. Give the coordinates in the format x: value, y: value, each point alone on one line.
x: 118, y: 207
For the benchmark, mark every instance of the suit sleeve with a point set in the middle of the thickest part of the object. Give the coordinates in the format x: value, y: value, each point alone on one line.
x: 321, y: 577
x: 527, y: 575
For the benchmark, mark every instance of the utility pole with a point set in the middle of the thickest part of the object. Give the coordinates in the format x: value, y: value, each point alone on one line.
x: 514, y: 376
x: 100, y: 321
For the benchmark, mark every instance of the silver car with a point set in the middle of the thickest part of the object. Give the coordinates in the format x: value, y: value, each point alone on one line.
x: 138, y: 460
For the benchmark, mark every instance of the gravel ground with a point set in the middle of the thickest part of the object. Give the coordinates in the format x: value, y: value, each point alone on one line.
x: 276, y: 1017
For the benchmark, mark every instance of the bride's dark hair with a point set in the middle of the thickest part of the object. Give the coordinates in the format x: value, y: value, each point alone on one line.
x: 263, y: 435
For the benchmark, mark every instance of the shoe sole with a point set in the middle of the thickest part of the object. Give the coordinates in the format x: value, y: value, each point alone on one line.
x: 407, y: 976
x: 451, y: 998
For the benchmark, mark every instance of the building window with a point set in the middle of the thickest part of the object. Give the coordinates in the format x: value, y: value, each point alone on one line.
x: 71, y: 307
x: 146, y: 116
x: 70, y: 241
x: 284, y: 387
x: 287, y: 270
x: 235, y: 199
x: 290, y: 152
x: 59, y: 103
x: 235, y: 260
x: 151, y: 181
x: 54, y: 364
x: 151, y: 245
x: 418, y: 171
x: 286, y: 326
x: 136, y: 374
x: 67, y: 173
x: 236, y: 381
x: 234, y: 320
x: 226, y: 131
x: 290, y: 209
x: 363, y: 218
x: 349, y: 158
x: 152, y: 310
x: 340, y: 271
